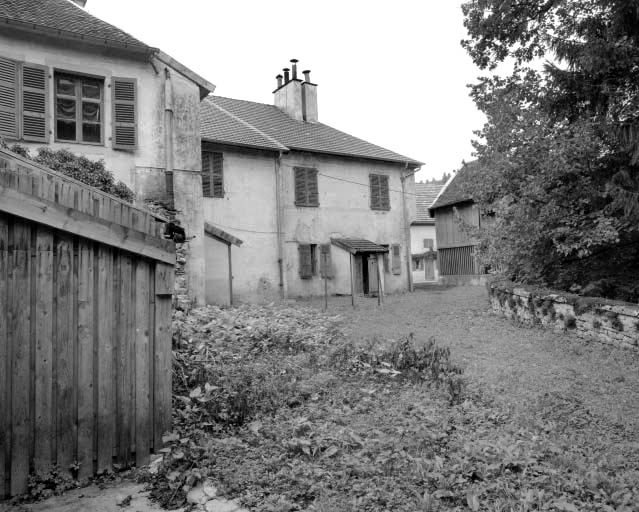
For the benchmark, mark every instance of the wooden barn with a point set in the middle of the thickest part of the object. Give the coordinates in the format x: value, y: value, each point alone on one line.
x: 453, y: 209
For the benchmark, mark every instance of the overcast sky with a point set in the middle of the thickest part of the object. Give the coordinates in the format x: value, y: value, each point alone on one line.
x: 390, y: 72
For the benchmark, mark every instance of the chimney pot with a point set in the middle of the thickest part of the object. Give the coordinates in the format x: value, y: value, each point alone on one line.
x: 279, y: 81
x: 294, y: 66
x: 307, y: 75
x: 287, y: 77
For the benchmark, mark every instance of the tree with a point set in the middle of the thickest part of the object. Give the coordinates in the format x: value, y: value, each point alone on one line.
x: 557, y: 158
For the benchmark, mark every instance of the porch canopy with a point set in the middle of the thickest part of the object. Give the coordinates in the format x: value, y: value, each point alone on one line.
x: 358, y: 245
x: 221, y: 235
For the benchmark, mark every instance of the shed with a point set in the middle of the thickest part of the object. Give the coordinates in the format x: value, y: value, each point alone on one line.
x: 218, y: 263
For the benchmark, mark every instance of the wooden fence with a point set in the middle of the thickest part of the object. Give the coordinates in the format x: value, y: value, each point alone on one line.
x: 457, y: 261
x: 85, y: 327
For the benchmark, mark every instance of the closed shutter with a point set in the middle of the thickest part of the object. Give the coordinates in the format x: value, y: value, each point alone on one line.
x: 384, y: 196
x: 397, y: 264
x: 374, y: 191
x: 306, y: 261
x: 34, y: 103
x: 326, y: 266
x: 217, y: 174
x: 206, y: 174
x: 306, y: 187
x: 300, y: 185
x: 124, y: 94
x: 8, y: 98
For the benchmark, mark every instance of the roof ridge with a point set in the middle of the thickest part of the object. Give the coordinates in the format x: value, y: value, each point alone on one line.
x: 249, y: 126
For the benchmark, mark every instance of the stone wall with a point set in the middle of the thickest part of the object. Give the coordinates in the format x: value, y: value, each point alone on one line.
x: 612, y: 322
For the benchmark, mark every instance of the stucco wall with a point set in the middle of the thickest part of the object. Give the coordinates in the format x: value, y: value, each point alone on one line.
x: 590, y: 318
x: 142, y: 169
x: 248, y: 211
x: 417, y: 234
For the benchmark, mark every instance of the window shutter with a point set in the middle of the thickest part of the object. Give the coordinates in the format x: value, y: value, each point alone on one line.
x: 384, y: 196
x: 397, y: 264
x: 124, y: 94
x: 8, y: 98
x: 217, y: 174
x: 206, y: 174
x: 311, y: 187
x: 300, y: 186
x: 35, y: 124
x: 374, y: 191
x: 326, y: 267
x: 306, y: 263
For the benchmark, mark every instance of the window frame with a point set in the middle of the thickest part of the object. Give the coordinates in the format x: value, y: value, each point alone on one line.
x: 308, y: 174
x: 377, y: 202
x: 79, y: 100
x: 313, y: 266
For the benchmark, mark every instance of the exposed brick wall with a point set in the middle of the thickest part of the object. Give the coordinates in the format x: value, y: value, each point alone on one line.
x: 603, y: 320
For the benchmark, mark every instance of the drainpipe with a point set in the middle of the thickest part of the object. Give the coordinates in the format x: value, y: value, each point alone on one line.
x: 168, y: 131
x: 278, y: 221
x: 409, y: 266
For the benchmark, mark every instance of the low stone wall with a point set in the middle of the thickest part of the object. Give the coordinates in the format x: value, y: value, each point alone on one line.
x: 604, y: 320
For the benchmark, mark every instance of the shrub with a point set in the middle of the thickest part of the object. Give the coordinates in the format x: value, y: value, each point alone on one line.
x: 570, y: 322
x: 596, y: 324
x: 616, y: 324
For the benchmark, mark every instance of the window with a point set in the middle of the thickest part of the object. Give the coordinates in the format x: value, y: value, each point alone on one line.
x: 308, y: 260
x: 428, y: 243
x: 380, y: 196
x: 326, y: 267
x: 23, y: 101
x: 306, y: 191
x: 79, y: 103
x: 397, y: 263
x: 212, y: 174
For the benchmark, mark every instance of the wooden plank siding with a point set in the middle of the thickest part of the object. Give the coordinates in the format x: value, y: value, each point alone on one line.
x: 455, y: 248
x: 85, y: 328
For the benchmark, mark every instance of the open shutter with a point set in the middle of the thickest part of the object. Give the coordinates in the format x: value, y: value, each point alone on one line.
x: 397, y: 264
x: 35, y: 124
x: 8, y: 98
x: 206, y: 174
x: 326, y: 267
x: 374, y: 191
x: 306, y: 263
x: 311, y: 187
x: 217, y: 174
x: 124, y: 94
x: 384, y: 196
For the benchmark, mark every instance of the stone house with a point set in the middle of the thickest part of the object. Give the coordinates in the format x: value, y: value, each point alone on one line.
x: 70, y: 80
x: 307, y: 201
x: 422, y: 234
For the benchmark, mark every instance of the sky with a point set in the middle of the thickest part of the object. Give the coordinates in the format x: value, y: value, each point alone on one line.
x: 389, y: 72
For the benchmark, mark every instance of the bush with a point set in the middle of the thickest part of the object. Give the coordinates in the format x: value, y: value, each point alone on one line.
x: 89, y: 172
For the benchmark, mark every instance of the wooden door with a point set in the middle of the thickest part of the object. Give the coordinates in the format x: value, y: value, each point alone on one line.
x: 373, y: 282
x: 429, y: 268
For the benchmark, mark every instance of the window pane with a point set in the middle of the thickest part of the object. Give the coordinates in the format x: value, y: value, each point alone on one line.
x: 65, y: 85
x: 65, y: 109
x: 90, y: 132
x: 66, y: 130
x: 91, y: 88
x: 90, y: 111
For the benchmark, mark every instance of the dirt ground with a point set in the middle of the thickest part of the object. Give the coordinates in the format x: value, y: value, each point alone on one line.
x: 521, y: 366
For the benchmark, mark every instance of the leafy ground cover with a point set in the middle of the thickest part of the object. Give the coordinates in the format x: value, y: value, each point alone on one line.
x: 289, y: 408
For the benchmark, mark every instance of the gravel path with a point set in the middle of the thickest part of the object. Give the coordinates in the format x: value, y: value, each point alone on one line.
x: 522, y: 367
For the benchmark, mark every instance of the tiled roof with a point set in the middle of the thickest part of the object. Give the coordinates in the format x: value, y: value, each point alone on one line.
x: 456, y: 190
x: 425, y: 194
x: 273, y: 124
x: 65, y: 16
x: 355, y: 245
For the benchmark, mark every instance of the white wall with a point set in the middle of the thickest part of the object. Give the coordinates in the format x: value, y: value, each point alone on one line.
x: 418, y: 233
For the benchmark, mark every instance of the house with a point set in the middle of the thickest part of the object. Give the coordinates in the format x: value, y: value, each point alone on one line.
x: 453, y: 209
x: 309, y: 202
x: 70, y: 80
x: 422, y: 234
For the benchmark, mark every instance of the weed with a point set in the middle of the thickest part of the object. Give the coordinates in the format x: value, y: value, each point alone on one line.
x: 570, y: 322
x: 596, y: 324
x: 617, y: 324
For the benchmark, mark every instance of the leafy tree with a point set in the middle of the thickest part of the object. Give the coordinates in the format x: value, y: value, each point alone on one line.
x: 558, y: 157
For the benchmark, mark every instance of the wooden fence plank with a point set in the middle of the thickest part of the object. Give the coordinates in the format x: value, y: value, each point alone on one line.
x: 124, y: 364
x: 142, y: 364
x: 4, y: 356
x: 85, y: 359
x: 44, y: 413
x: 164, y: 276
x: 19, y: 335
x: 66, y: 426
x: 106, y: 376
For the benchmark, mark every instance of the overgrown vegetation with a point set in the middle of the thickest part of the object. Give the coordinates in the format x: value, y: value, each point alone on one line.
x: 279, y: 410
x: 558, y: 159
x: 81, y: 168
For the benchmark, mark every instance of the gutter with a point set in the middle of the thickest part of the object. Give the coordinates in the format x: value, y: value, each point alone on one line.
x: 279, y: 223
x: 407, y: 248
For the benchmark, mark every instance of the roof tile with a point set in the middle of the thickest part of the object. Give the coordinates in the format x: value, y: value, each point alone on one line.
x: 425, y: 194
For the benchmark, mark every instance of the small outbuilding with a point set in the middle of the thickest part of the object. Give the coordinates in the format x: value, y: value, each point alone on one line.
x: 218, y: 263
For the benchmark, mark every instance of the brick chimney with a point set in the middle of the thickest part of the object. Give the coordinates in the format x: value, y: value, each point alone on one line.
x: 296, y: 98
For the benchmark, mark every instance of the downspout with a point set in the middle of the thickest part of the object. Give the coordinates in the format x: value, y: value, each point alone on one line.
x: 409, y: 266
x: 168, y: 133
x: 278, y: 222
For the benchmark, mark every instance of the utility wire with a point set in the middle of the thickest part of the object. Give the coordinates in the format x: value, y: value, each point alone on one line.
x: 363, y: 184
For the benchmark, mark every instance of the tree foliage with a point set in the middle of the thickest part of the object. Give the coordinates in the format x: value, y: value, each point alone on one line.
x: 558, y: 159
